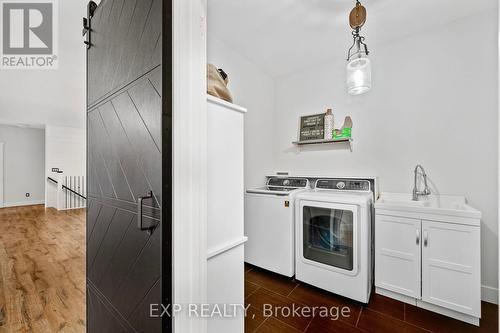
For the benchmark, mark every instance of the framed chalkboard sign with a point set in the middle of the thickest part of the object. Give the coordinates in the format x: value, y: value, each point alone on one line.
x: 311, y: 127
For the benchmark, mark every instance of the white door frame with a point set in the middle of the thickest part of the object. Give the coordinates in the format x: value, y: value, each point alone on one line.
x: 1, y: 174
x: 189, y: 162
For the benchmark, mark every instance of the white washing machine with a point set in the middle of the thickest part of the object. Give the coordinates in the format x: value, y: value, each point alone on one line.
x: 333, y: 237
x: 270, y: 226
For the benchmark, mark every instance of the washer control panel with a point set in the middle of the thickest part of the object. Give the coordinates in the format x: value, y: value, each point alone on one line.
x: 343, y: 184
x: 288, y: 182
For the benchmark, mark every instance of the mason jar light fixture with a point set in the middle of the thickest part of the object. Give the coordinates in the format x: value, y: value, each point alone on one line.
x: 359, y: 70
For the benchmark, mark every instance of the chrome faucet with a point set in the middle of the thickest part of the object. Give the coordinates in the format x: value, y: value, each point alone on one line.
x: 416, y: 192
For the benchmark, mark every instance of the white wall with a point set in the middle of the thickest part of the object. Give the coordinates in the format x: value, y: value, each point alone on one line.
x: 254, y: 90
x: 52, y: 97
x: 65, y: 149
x: 434, y: 102
x: 24, y: 165
x: 1, y: 173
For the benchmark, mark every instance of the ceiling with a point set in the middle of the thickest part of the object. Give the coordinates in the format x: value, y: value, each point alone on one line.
x: 282, y: 36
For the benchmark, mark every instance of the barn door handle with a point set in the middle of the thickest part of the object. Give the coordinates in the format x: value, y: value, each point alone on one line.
x: 139, y: 211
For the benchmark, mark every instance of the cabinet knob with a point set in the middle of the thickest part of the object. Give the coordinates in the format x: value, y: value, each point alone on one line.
x: 426, y: 238
x: 418, y: 237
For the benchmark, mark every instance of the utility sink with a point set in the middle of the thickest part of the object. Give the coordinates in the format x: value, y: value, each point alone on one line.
x: 431, y: 205
x: 403, y: 201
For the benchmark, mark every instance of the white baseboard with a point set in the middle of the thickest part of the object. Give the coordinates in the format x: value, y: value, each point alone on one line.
x: 449, y: 313
x: 24, y: 203
x: 489, y: 294
x: 67, y: 209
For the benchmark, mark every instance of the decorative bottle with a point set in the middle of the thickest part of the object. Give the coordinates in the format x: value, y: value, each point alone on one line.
x: 328, y: 130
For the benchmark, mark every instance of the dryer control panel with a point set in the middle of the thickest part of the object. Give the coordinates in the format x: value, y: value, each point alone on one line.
x: 343, y: 184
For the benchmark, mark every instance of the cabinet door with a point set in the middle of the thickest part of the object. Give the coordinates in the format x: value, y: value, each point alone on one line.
x: 397, y: 254
x: 451, y: 266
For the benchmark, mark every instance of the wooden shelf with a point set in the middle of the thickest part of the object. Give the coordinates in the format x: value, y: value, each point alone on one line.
x: 324, y: 141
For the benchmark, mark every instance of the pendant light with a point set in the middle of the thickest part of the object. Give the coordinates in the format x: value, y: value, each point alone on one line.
x: 359, y: 71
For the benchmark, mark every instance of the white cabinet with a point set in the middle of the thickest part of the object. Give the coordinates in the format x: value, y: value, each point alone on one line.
x: 225, y: 205
x: 225, y: 165
x: 431, y: 264
x: 397, y: 265
x: 451, y: 266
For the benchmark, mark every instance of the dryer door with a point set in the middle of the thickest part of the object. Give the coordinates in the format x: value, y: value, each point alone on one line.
x: 328, y: 236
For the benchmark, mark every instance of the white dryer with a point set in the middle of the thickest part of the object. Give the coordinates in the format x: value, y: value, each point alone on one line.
x: 333, y: 237
x: 269, y: 224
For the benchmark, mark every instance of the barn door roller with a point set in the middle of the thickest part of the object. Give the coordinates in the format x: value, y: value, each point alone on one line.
x: 87, y: 25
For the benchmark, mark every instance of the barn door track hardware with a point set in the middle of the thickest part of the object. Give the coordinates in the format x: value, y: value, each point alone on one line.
x: 87, y: 23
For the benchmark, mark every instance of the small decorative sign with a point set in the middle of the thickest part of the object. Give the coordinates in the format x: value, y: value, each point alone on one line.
x: 312, y: 127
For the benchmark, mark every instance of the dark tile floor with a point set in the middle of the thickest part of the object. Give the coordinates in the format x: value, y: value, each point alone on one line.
x: 382, y: 314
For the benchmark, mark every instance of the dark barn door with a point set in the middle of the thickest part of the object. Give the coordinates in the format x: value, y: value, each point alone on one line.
x: 128, y: 166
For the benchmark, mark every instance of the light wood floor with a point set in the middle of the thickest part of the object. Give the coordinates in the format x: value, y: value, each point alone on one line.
x: 42, y: 270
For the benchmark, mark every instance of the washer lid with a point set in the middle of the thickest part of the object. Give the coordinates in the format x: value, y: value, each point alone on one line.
x: 281, y: 186
x: 334, y: 196
x: 275, y: 190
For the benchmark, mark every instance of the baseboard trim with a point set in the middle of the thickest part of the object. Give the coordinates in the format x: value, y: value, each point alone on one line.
x: 24, y: 203
x: 67, y: 209
x: 434, y: 308
x: 449, y: 313
x: 489, y: 294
